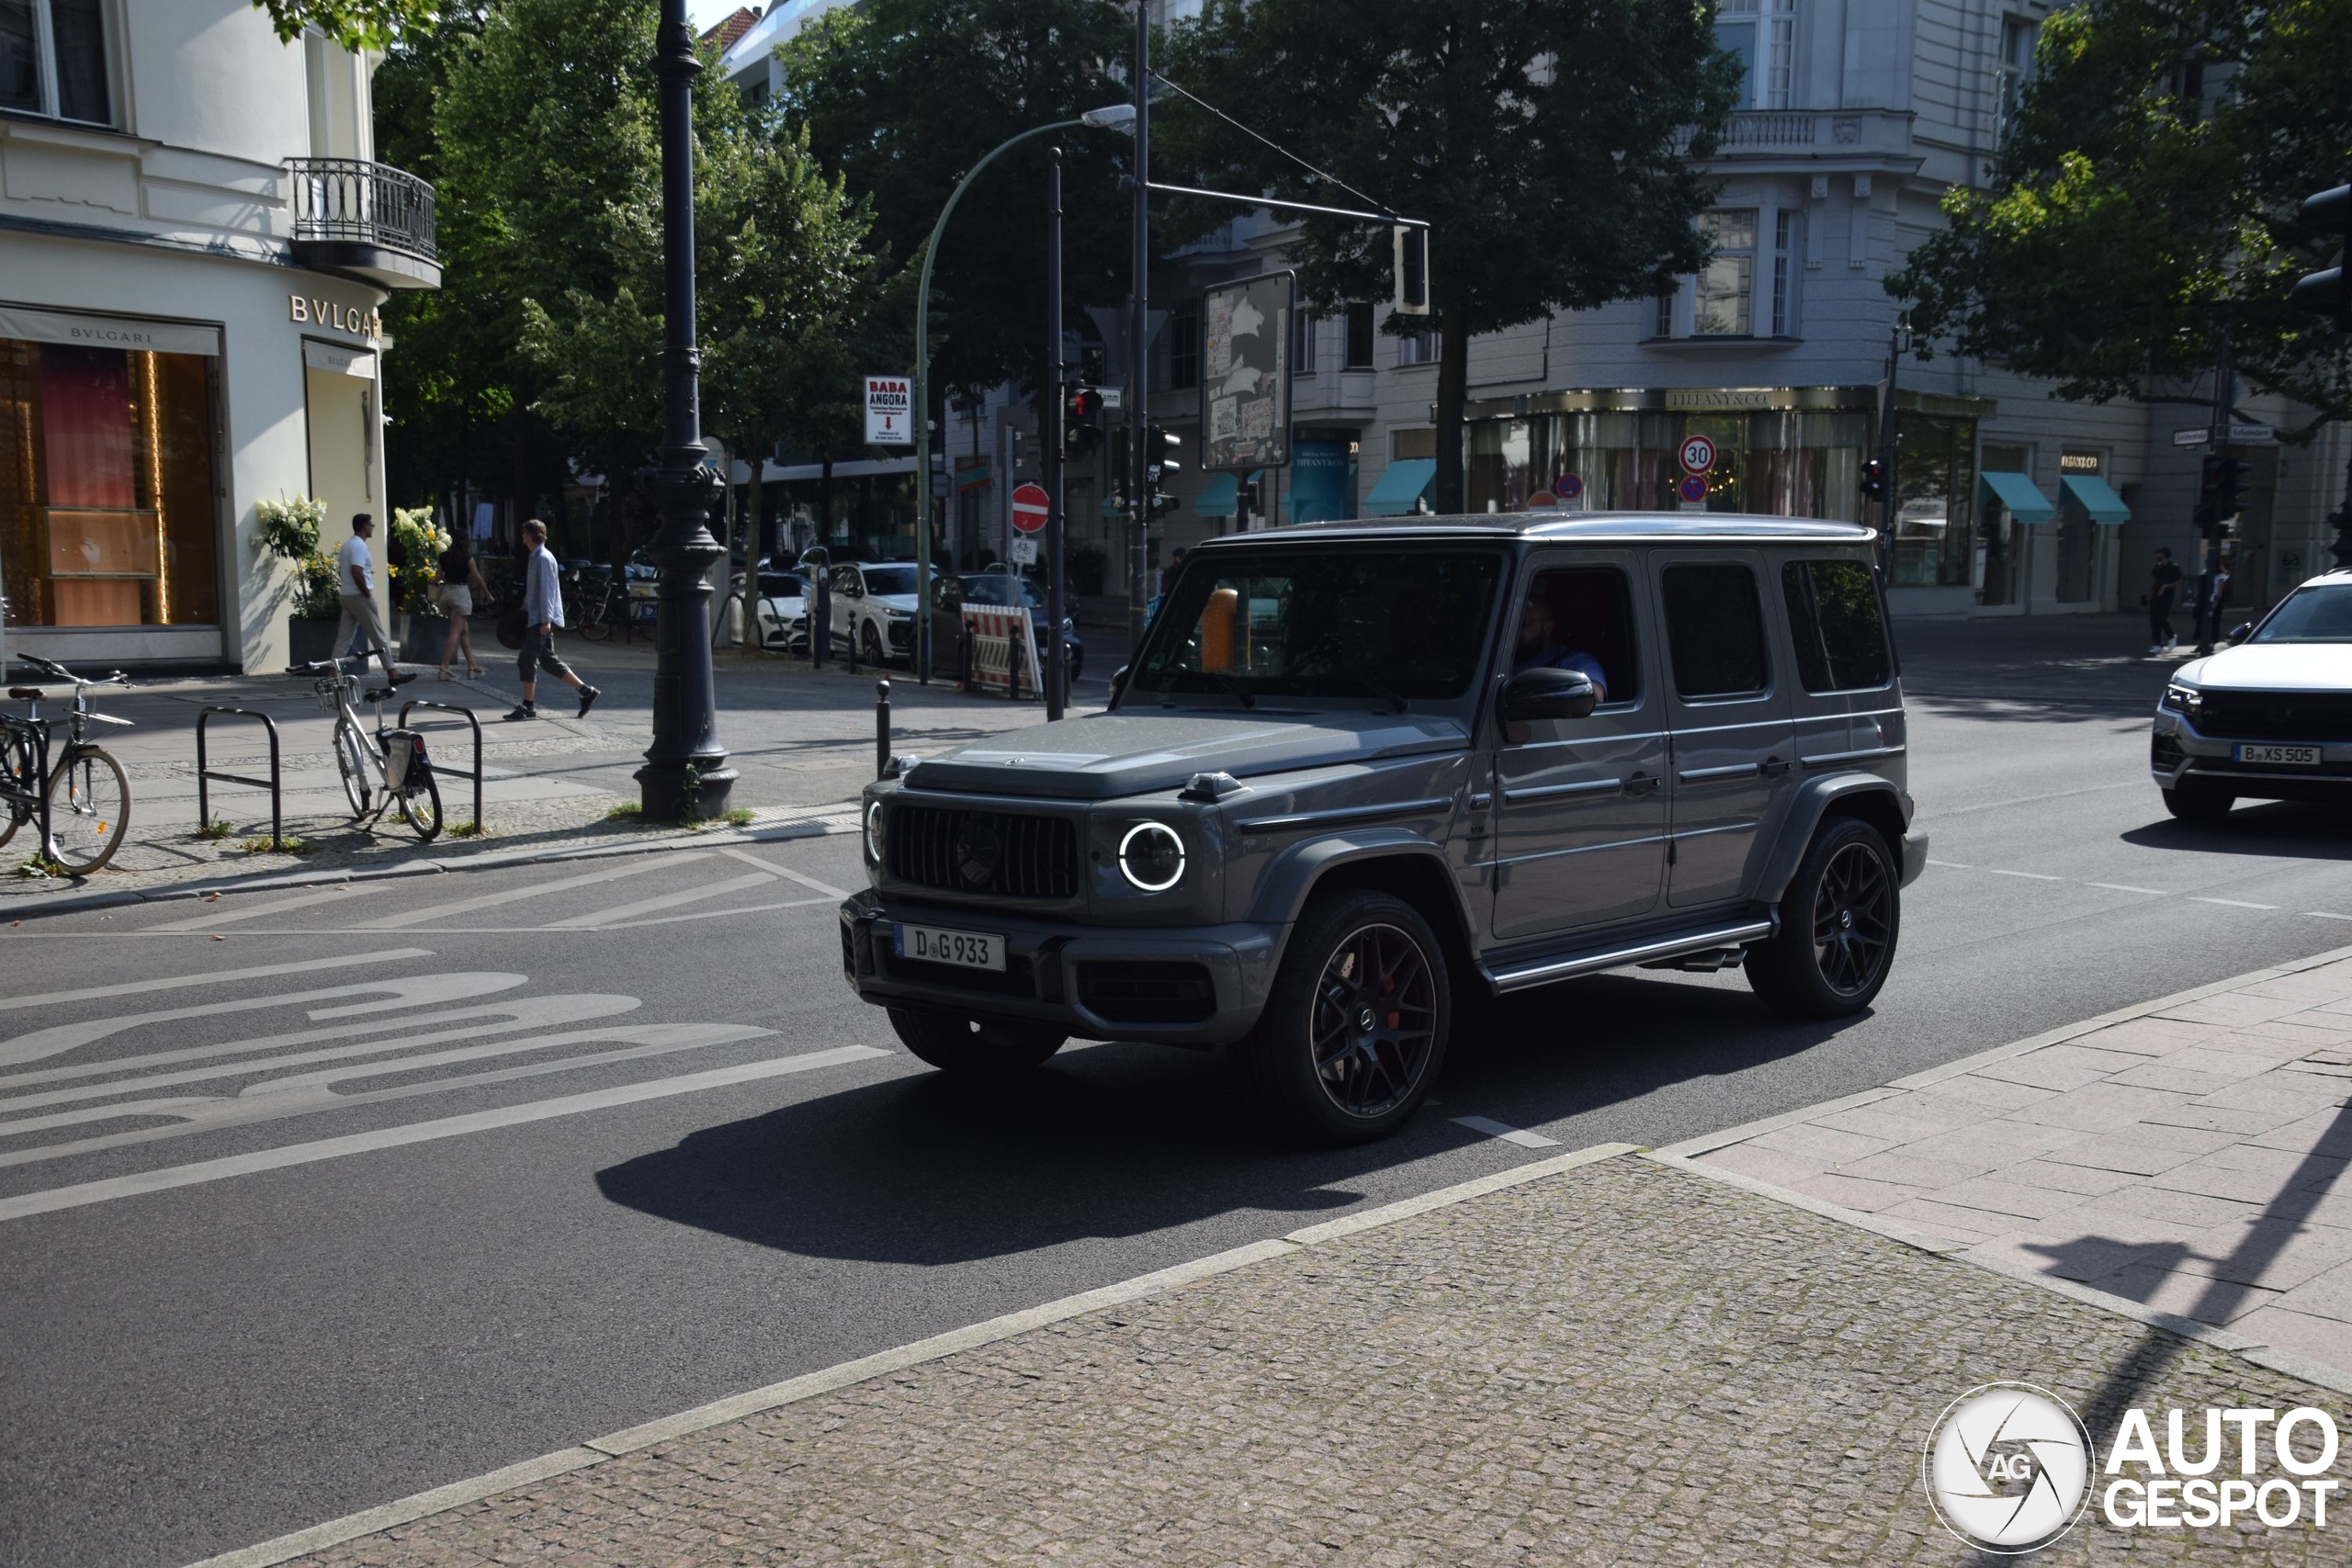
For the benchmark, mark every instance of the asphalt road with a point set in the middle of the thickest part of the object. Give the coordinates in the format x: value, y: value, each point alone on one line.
x: 393, y: 1186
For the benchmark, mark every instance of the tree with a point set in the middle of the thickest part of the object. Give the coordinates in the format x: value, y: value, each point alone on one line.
x: 1546, y: 142
x: 2142, y: 211
x: 354, y: 24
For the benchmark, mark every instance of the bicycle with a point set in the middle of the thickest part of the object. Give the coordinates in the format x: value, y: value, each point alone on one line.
x: 390, y: 771
x: 85, y: 801
x: 597, y: 609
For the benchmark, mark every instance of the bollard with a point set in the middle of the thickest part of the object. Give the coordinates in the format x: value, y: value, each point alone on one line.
x: 881, y: 727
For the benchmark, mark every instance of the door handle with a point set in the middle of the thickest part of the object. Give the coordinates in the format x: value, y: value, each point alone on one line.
x: 1773, y: 767
x: 1640, y: 784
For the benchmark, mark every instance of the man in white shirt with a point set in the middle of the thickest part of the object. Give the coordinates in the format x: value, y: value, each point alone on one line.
x: 542, y: 613
x: 354, y: 585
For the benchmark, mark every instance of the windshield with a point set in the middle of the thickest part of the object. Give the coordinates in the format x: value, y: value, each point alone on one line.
x: 890, y: 580
x: 1386, y: 625
x: 2311, y: 615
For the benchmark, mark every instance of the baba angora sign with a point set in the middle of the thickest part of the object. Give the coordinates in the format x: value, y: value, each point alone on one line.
x: 1244, y: 373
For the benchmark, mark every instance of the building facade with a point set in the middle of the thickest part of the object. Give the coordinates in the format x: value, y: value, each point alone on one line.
x: 195, y: 246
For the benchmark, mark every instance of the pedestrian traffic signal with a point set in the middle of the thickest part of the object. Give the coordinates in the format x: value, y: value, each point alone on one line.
x: 1158, y: 442
x: 2234, y: 473
x: 2328, y: 292
x: 2221, y: 483
x: 1874, y: 478
x: 1412, y: 270
x: 1082, y: 421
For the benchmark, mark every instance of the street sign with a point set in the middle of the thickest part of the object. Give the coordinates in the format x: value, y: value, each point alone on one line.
x: 1698, y: 456
x: 1025, y: 551
x: 1245, y: 374
x: 2255, y: 434
x: 1571, y: 486
x: 1029, y: 505
x: 2197, y: 437
x: 1693, y: 488
x: 1113, y: 398
x: 889, y: 410
x: 1540, y: 499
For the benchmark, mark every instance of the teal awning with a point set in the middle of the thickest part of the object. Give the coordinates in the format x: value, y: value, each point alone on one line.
x: 1219, y: 496
x: 2093, y: 495
x: 2016, y: 491
x: 1403, y: 487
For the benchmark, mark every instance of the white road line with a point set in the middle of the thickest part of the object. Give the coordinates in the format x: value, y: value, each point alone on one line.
x: 2027, y: 800
x: 720, y: 914
x: 2127, y: 888
x: 2031, y: 875
x: 747, y: 858
x: 2323, y: 915
x: 1951, y: 865
x: 394, y: 992
x: 230, y: 917
x: 620, y: 912
x: 1509, y: 1134
x: 2232, y: 903
x: 637, y: 867
x: 202, y: 1172
x: 133, y: 988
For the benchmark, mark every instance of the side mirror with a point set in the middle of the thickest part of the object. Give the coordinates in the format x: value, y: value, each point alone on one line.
x: 1549, y: 693
x: 2241, y: 631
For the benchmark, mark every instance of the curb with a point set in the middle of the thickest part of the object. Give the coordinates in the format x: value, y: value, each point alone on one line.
x: 491, y: 860
x: 667, y: 1428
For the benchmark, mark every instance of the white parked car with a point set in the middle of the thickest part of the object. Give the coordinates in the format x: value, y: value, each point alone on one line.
x: 782, y: 608
x: 2268, y: 718
x: 874, y: 606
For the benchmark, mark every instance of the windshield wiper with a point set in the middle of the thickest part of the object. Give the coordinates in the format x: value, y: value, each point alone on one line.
x: 1227, y: 683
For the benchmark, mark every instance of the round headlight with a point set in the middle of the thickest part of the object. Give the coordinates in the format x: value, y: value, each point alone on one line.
x: 874, y: 832
x: 1152, y: 857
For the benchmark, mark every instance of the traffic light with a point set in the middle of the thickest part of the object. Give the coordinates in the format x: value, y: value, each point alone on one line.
x: 2234, y: 474
x: 1412, y: 270
x: 1082, y: 421
x: 1158, y: 442
x: 1874, y: 478
x: 2328, y: 293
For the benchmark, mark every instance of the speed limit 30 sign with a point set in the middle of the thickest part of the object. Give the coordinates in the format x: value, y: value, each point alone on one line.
x: 1698, y: 455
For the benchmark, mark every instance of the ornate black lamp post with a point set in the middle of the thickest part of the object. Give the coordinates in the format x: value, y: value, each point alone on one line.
x: 685, y: 772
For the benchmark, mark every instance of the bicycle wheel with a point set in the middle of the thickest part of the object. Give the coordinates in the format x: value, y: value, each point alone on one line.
x: 351, y: 759
x: 592, y: 624
x: 421, y: 808
x: 89, y: 806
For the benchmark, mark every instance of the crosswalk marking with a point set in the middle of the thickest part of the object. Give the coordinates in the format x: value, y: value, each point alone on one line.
x: 217, y: 977
x: 1506, y: 1133
x: 747, y: 858
x: 170, y: 1176
x: 230, y: 917
x: 635, y: 867
x: 665, y: 901
x: 722, y: 914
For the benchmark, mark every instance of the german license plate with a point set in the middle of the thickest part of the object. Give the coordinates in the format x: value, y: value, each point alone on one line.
x: 931, y: 944
x: 2281, y: 756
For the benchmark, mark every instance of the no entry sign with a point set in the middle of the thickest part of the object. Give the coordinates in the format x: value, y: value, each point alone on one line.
x: 1698, y: 455
x: 1029, y: 503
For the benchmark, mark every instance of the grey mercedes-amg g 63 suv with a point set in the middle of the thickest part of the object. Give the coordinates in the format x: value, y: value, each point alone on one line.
x: 1364, y: 776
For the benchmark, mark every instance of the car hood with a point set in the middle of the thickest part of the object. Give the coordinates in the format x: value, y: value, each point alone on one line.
x: 902, y: 603
x: 2274, y: 667
x: 1115, y: 754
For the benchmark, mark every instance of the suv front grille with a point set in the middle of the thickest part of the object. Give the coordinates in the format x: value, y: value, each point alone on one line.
x: 2277, y: 716
x: 1008, y: 854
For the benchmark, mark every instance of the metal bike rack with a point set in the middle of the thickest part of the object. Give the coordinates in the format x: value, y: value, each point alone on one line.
x: 468, y: 715
x: 204, y: 775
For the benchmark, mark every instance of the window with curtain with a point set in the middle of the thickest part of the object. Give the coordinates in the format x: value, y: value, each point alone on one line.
x: 1726, y: 285
x: 53, y: 59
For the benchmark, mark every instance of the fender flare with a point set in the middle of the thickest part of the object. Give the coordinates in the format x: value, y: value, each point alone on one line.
x: 1291, y: 878
x: 1811, y: 804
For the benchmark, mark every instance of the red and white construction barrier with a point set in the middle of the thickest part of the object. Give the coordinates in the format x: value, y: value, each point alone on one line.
x: 1003, y: 652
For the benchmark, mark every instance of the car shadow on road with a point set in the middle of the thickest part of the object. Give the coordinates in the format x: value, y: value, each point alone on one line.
x: 2279, y: 828
x: 1126, y: 1140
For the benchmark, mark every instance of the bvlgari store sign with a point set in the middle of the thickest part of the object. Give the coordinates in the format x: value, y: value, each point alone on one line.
x: 312, y: 311
x: 123, y: 333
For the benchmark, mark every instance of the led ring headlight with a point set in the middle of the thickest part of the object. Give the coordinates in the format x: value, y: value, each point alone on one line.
x: 1151, y: 857
x: 874, y: 832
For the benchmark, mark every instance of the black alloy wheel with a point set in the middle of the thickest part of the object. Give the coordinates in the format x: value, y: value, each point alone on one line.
x: 1839, y: 920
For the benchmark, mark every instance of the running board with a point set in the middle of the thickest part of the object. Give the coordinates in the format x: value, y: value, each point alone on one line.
x: 1543, y: 971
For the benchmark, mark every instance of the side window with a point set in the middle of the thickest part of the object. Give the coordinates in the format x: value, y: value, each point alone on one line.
x: 1834, y: 618
x: 1580, y: 617
x: 1715, y: 630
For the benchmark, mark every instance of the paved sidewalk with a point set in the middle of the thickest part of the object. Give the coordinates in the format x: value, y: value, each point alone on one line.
x: 2186, y: 1156
x: 1623, y: 1362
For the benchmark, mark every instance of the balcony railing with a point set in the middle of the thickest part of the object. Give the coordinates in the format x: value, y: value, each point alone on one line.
x: 349, y: 201
x: 1771, y: 133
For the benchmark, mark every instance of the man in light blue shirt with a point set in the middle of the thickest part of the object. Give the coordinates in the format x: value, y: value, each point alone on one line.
x: 1541, y: 648
x: 542, y: 613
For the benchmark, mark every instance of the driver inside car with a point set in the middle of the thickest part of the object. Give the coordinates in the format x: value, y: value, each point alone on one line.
x: 1542, y: 647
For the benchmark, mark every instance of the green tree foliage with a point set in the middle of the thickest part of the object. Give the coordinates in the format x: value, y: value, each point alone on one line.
x: 2143, y: 205
x: 903, y: 96
x: 354, y: 24
x: 1545, y: 140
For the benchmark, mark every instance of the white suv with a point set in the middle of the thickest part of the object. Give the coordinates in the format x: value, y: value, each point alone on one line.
x: 2267, y: 718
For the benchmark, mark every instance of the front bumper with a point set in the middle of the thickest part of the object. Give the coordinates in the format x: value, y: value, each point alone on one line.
x: 2179, y: 751
x: 1915, y: 857
x: 1095, y: 982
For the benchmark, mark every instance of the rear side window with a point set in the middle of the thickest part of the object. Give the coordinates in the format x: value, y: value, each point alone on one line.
x: 1833, y: 619
x: 1715, y: 630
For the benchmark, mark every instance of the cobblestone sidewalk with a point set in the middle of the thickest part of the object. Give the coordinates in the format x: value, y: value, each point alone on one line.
x: 1620, y: 1364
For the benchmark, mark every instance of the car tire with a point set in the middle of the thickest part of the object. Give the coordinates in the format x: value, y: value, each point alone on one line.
x: 869, y: 646
x: 975, y: 1047
x: 2194, y: 801
x: 1350, y: 958
x: 1839, y: 921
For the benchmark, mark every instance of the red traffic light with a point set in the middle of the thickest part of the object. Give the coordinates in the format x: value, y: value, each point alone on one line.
x: 1874, y: 478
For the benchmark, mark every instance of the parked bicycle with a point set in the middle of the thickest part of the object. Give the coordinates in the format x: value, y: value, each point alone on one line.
x: 596, y: 607
x: 387, y: 769
x: 84, y: 800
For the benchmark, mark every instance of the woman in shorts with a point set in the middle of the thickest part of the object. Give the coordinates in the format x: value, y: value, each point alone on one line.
x: 460, y: 579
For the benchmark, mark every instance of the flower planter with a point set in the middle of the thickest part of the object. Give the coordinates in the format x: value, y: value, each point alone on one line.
x: 424, y: 638
x: 309, y: 642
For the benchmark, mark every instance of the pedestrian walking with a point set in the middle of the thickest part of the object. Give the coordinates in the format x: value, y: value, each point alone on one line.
x: 2163, y: 583
x: 542, y: 613
x: 362, y: 624
x: 461, y: 577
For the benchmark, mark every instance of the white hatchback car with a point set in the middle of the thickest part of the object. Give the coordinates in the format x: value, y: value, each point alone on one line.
x: 2268, y: 718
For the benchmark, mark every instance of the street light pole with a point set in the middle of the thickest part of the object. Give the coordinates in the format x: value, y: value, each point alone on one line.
x: 685, y: 770
x: 1138, y: 383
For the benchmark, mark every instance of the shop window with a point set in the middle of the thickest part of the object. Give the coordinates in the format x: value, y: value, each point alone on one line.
x: 1185, y: 347
x: 1835, y: 623
x: 2078, y: 535
x: 1577, y: 619
x: 1303, y: 326
x: 1784, y: 226
x: 1715, y: 629
x: 1726, y: 285
x: 107, y: 514
x: 1360, y: 337
x: 1412, y: 443
x: 1935, y: 482
x: 54, y: 59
